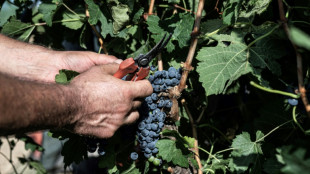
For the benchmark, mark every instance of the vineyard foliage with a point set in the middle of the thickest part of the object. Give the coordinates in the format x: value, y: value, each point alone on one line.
x: 239, y: 90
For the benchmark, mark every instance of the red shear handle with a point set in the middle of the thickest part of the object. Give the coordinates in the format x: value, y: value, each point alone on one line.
x: 126, y: 67
x: 141, y: 74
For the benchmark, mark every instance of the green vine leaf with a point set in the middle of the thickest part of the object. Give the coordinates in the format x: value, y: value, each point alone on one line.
x: 120, y: 17
x: 15, y: 27
x: 38, y: 167
x: 222, y: 65
x: 231, y: 12
x: 169, y: 152
x: 108, y: 160
x: 94, y: 12
x: 252, y: 8
x: 246, y: 152
x: 181, y: 29
x: 71, y: 21
x: 295, y: 160
x: 65, y: 76
x: 300, y: 38
x: 29, y: 143
x: 74, y: 150
x: 7, y: 10
x: 48, y: 10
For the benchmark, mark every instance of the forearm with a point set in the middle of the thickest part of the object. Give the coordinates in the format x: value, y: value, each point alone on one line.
x: 28, y: 106
x: 25, y: 60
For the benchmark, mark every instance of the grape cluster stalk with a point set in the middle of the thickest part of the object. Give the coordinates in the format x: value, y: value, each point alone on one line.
x: 154, y: 110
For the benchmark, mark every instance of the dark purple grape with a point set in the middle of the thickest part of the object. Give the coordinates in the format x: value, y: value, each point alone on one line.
x: 141, y: 126
x: 154, y: 96
x: 153, y: 106
x: 101, y: 151
x: 155, y: 150
x: 158, y: 74
x: 147, y: 155
x: 134, y: 156
x: 292, y: 101
x: 154, y: 126
x: 147, y: 150
x: 168, y: 104
x: 151, y: 145
x: 151, y: 78
x: 148, y: 139
x: 153, y: 68
x: 145, y: 133
x: 161, y: 103
x: 148, y: 126
x: 149, y: 100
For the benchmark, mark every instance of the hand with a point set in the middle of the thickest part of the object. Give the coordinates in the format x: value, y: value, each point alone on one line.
x: 106, y: 102
x: 79, y: 61
x: 37, y: 63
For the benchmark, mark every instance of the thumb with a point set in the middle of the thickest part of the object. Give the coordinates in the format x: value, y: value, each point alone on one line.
x: 110, y: 68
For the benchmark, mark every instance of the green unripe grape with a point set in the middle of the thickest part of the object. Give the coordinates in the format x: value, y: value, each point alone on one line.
x: 156, y: 162
x: 151, y: 159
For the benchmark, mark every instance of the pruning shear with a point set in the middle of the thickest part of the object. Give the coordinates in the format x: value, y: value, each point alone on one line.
x: 138, y: 68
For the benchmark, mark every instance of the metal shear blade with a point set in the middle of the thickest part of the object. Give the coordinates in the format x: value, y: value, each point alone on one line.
x: 144, y: 60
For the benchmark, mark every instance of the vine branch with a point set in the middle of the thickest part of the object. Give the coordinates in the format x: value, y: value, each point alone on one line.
x: 194, y: 130
x: 301, y: 86
x: 182, y: 8
x: 187, y: 65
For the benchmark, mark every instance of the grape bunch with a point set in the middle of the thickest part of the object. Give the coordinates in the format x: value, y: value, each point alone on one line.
x: 94, y: 143
x: 154, y: 111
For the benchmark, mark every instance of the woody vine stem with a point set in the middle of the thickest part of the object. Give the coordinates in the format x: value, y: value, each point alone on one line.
x: 301, y: 86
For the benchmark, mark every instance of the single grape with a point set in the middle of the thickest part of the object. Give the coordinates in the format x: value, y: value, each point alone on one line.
x: 158, y: 74
x: 157, y: 81
x: 134, y: 156
x: 151, y: 159
x: 155, y: 150
x: 101, y: 151
x: 165, y: 74
x: 154, y: 96
x: 147, y: 150
x: 160, y: 125
x: 153, y: 106
x: 143, y: 144
x: 151, y: 78
x: 156, y: 162
x: 161, y: 103
x: 148, y: 139
x: 151, y: 145
x: 145, y: 132
x: 168, y: 104
x: 149, y: 100
x: 141, y: 126
x: 292, y: 101
x: 148, y: 126
x: 147, y: 155
x: 154, y: 126
x: 153, y: 68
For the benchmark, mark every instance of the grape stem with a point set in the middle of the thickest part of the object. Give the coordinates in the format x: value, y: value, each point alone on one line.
x: 274, y: 91
x: 100, y: 39
x: 301, y: 86
x: 194, y: 130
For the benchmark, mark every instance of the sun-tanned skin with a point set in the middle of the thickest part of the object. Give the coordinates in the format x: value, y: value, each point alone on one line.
x: 95, y: 103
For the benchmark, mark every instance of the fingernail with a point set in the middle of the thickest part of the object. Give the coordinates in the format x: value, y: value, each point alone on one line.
x: 118, y: 61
